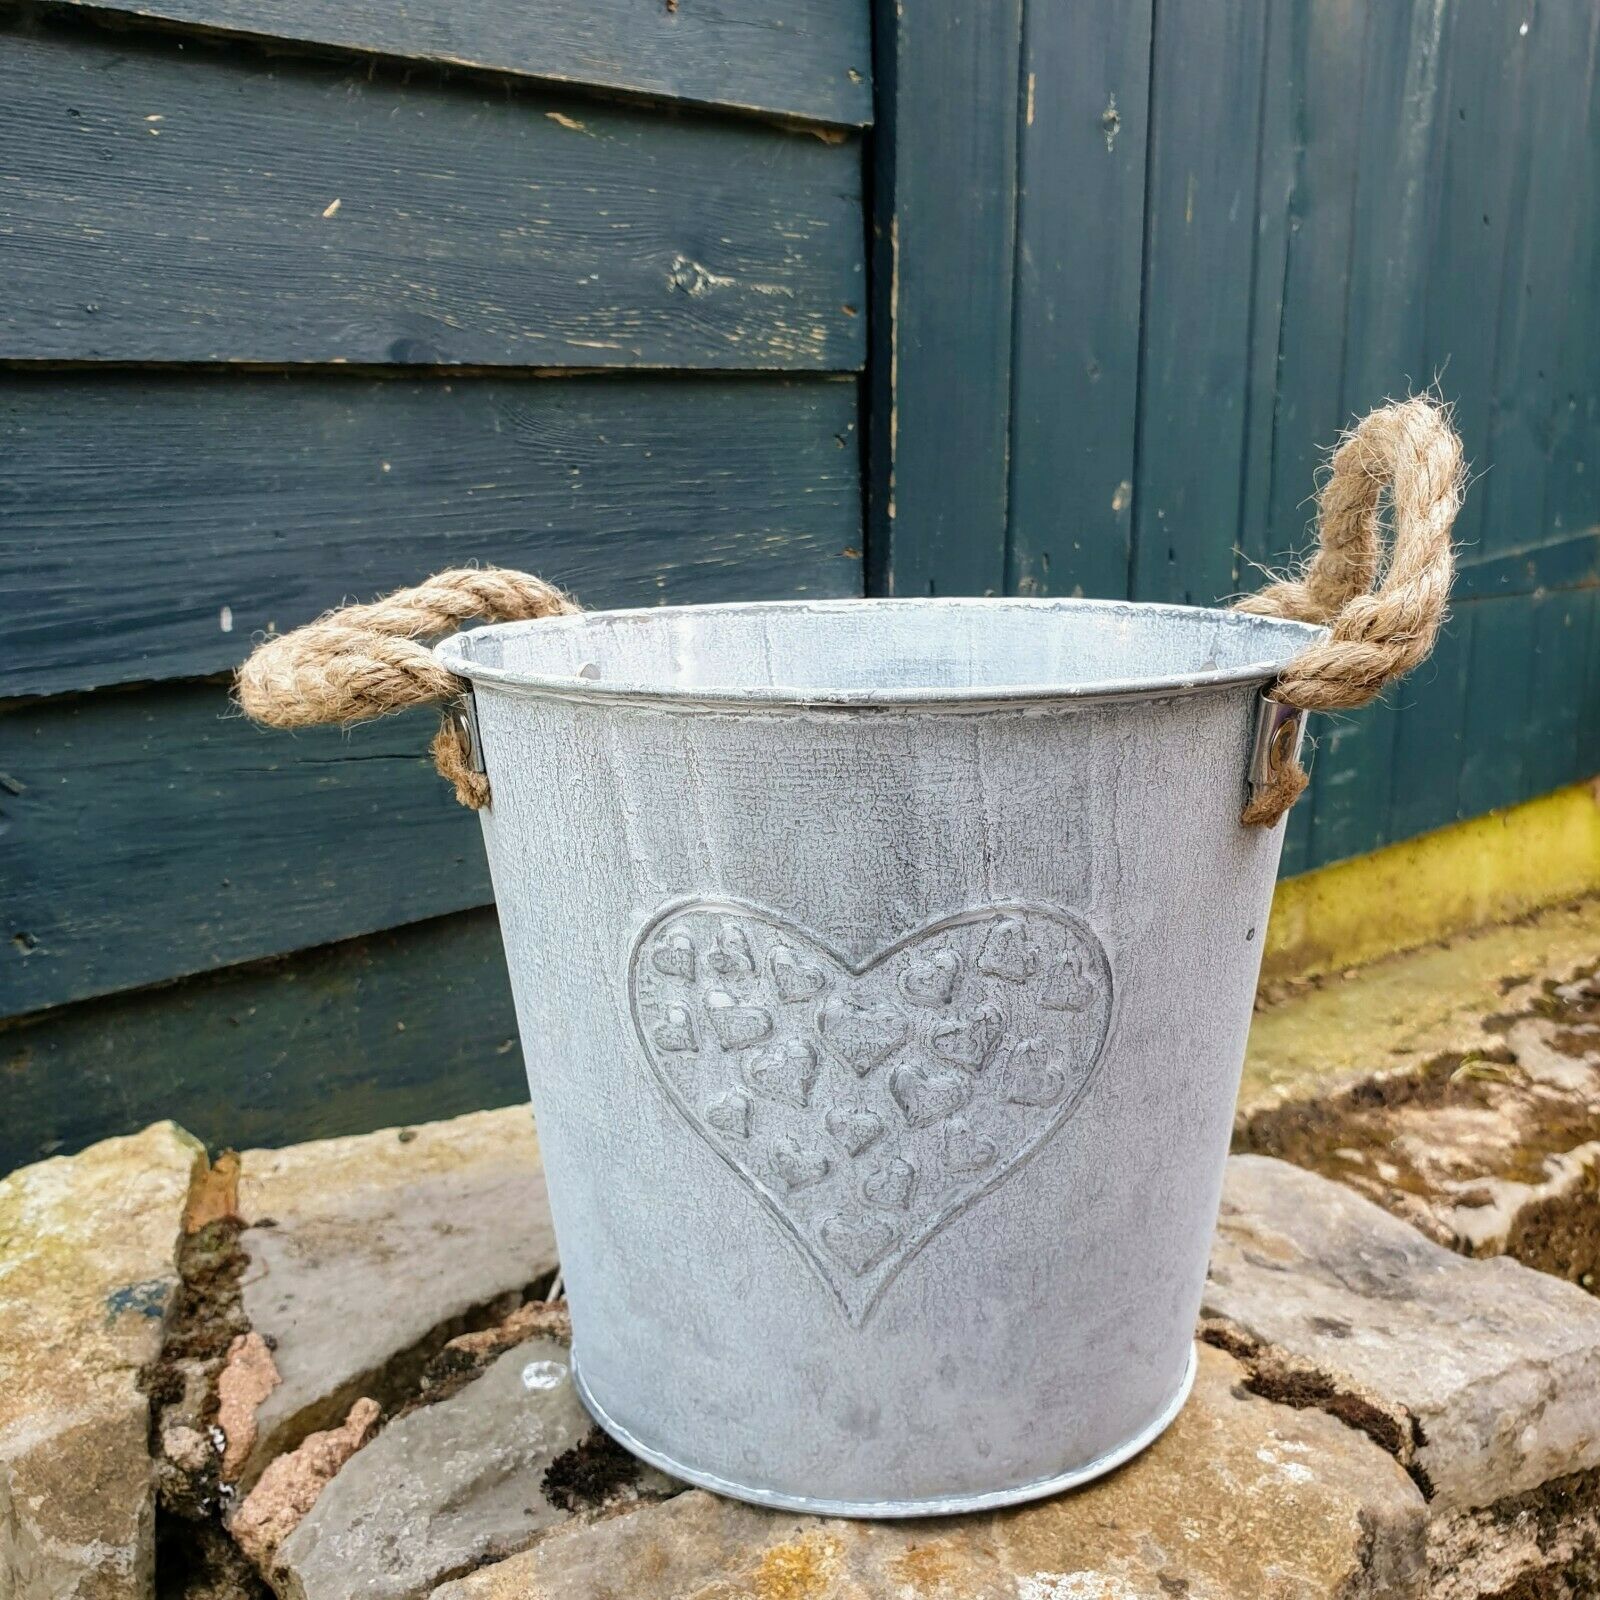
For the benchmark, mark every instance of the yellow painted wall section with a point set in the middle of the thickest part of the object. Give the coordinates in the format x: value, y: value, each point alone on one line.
x: 1490, y: 869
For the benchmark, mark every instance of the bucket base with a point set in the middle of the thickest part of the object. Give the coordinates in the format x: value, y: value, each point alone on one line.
x: 938, y: 1506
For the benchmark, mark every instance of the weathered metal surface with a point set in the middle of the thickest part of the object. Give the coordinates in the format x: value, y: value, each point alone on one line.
x: 884, y: 972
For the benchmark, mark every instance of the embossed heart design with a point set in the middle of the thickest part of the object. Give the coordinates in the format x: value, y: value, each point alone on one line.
x: 861, y: 1035
x: 786, y: 1072
x: 928, y: 1095
x: 931, y: 980
x: 855, y: 1130
x: 795, y: 980
x: 969, y: 1041
x: 868, y: 1105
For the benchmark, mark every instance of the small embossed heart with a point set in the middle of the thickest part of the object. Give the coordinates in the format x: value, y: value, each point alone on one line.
x: 928, y: 1094
x: 1029, y: 1078
x: 969, y: 1041
x: 731, y: 955
x: 675, y: 957
x: 794, y: 979
x: 866, y: 1103
x: 891, y: 1184
x: 785, y: 1072
x: 798, y: 1168
x: 855, y: 1130
x: 931, y: 980
x: 1008, y: 953
x: 730, y: 1113
x: 859, y: 1242
x: 1069, y: 986
x: 675, y: 1031
x: 967, y: 1151
x: 737, y: 1027
x: 861, y: 1036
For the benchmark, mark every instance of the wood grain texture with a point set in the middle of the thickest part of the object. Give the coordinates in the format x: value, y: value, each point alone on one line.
x: 404, y: 1026
x: 1329, y: 55
x: 1205, y: 128
x: 1375, y: 319
x: 1080, y: 244
x: 811, y: 61
x: 154, y: 833
x: 944, y: 229
x: 152, y: 522
x: 167, y: 204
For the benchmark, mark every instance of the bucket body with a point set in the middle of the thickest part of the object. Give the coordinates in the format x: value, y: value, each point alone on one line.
x: 883, y: 970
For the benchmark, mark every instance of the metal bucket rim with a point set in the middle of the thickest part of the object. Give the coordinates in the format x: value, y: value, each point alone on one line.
x: 457, y: 654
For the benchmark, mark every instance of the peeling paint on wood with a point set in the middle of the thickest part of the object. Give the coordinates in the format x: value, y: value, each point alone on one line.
x: 155, y: 521
x: 767, y: 56
x: 471, y: 227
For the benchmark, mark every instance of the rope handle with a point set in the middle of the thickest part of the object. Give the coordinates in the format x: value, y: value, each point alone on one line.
x: 359, y: 662
x: 1407, y: 457
x: 364, y: 661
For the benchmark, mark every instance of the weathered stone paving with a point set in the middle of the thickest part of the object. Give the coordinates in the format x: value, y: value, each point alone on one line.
x: 88, y: 1270
x: 1240, y: 1498
x: 1490, y: 1149
x: 367, y: 1253
x: 1481, y: 1377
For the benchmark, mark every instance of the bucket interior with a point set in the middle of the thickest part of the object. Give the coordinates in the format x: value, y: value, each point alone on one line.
x: 881, y: 651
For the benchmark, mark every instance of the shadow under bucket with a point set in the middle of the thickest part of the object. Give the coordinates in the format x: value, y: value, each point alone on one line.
x: 883, y: 970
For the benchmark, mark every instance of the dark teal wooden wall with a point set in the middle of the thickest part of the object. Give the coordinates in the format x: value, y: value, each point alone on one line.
x: 305, y: 300
x: 1129, y: 316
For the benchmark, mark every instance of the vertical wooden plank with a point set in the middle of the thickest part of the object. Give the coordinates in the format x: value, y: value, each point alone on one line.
x: 1534, y: 735
x: 944, y: 226
x: 1205, y: 123
x: 1558, y: 698
x: 1427, y: 748
x: 1396, y: 118
x: 1327, y: 50
x: 1495, y: 742
x: 1479, y: 125
x: 1282, y: 92
x: 1574, y: 446
x: 1080, y: 243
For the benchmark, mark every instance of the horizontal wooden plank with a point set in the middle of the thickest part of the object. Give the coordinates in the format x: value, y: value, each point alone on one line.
x: 160, y: 203
x: 154, y: 833
x: 1559, y: 561
x: 401, y: 1027
x: 151, y: 523
x: 150, y: 833
x: 811, y: 61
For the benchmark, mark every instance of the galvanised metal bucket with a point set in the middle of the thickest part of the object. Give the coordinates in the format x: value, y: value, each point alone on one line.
x: 883, y: 971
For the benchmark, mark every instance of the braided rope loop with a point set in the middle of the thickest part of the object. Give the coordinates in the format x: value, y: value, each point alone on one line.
x: 360, y: 662
x: 1404, y: 459
x: 365, y: 661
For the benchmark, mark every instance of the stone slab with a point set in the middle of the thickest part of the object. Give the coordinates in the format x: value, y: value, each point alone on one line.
x: 1241, y: 1499
x: 443, y: 1488
x: 367, y: 1253
x: 88, y: 1250
x: 1482, y: 1377
x: 1539, y: 1546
